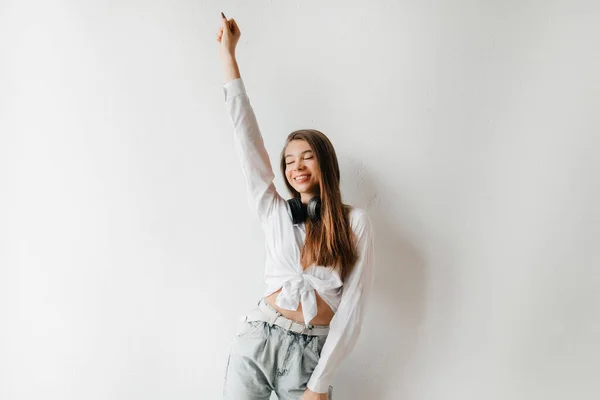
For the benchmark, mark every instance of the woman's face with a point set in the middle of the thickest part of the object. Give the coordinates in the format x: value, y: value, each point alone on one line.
x: 302, y: 168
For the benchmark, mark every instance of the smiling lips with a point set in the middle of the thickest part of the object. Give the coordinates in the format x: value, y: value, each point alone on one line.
x: 302, y: 178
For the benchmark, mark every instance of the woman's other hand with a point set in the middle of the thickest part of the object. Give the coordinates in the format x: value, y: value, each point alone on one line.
x: 310, y: 395
x: 228, y: 36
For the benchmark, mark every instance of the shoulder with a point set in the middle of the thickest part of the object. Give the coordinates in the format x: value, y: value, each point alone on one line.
x: 359, y: 219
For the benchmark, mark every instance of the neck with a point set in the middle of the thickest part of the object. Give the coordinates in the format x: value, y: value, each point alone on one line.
x: 305, y: 197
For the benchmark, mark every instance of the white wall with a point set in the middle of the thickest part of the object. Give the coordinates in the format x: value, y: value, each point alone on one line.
x: 469, y: 130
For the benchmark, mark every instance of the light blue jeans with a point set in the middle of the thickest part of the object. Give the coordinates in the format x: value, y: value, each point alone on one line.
x: 265, y: 357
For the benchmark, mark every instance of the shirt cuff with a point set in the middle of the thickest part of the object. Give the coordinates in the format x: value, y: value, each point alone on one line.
x: 318, y: 385
x: 233, y: 88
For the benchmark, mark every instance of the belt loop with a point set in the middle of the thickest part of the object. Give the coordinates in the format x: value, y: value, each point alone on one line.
x: 271, y: 316
x: 289, y: 325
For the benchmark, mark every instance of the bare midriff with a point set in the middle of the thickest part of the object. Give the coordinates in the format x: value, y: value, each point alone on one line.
x: 324, y: 312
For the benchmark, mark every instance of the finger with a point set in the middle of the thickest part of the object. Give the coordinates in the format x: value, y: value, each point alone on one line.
x: 229, y: 23
x: 234, y: 26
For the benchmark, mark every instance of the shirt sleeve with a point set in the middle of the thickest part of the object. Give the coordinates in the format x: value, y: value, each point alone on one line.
x: 345, y: 327
x: 251, y: 151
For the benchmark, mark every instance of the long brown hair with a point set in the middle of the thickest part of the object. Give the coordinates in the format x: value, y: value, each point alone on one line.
x: 329, y: 241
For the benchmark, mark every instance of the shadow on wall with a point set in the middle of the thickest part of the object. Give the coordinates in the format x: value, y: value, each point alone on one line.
x: 395, y: 309
x: 382, y: 366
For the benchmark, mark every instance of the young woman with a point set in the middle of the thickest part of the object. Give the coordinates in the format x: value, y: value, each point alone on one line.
x: 319, y: 258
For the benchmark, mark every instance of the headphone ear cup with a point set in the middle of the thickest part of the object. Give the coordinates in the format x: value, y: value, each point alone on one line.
x: 314, y: 208
x: 298, y: 214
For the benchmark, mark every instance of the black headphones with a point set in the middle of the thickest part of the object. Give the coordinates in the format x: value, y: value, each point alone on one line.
x: 301, y: 211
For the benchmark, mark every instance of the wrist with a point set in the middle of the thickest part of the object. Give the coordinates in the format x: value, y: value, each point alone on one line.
x: 228, y: 58
x: 231, y: 69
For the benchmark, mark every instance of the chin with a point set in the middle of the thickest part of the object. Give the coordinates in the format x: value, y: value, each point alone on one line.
x: 307, y: 190
x: 304, y: 189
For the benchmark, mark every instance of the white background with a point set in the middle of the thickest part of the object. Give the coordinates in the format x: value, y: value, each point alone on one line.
x: 469, y: 130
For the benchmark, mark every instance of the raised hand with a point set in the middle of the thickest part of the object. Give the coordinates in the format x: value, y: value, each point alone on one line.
x: 228, y: 36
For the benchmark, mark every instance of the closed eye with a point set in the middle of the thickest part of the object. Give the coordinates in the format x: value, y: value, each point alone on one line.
x: 307, y: 158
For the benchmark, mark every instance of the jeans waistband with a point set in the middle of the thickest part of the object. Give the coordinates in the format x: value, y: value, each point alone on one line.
x: 265, y: 312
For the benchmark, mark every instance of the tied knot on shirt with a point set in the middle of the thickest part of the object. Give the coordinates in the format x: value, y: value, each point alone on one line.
x: 301, y: 289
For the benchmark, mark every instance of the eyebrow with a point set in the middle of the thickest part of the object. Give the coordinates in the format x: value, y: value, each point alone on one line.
x: 305, y: 151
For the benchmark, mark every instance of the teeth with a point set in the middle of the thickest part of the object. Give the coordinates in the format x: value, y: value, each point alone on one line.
x: 301, y: 177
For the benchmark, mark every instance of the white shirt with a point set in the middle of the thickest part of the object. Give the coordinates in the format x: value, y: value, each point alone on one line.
x: 284, y: 240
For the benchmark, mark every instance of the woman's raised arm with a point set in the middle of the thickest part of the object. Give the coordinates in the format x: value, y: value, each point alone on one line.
x: 248, y: 142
